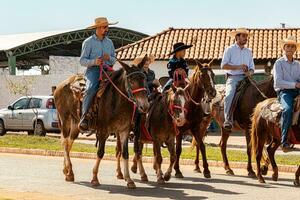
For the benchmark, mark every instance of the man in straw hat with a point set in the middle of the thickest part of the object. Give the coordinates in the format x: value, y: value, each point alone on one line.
x: 287, y: 84
x: 152, y: 82
x: 238, y: 63
x: 97, y: 50
x: 177, y: 62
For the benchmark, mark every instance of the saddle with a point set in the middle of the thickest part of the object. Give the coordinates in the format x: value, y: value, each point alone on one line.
x: 272, y: 112
x: 78, y: 86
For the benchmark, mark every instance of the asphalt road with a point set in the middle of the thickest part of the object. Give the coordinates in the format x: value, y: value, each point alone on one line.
x: 38, y: 177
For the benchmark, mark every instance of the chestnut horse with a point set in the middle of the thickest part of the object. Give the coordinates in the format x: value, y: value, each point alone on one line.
x: 201, y: 91
x: 266, y: 132
x: 115, y: 109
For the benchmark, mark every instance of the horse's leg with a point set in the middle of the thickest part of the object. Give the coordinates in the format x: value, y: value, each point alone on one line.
x: 199, y: 140
x: 197, y: 168
x: 100, y: 154
x: 125, y: 156
x: 258, y: 156
x: 143, y: 174
x: 118, y: 156
x: 171, y: 149
x: 223, y: 145
x: 178, y: 173
x: 158, y: 161
x: 265, y: 167
x: 297, y: 174
x: 251, y: 173
x: 271, y: 153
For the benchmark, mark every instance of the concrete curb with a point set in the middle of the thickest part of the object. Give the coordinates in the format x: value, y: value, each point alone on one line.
x: 41, y: 152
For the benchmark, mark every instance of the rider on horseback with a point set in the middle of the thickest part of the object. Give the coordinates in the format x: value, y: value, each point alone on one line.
x: 97, y: 51
x: 238, y: 63
x: 177, y: 62
x: 287, y: 84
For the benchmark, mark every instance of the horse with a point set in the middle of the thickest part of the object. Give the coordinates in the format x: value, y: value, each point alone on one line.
x: 242, y: 117
x: 166, y: 114
x: 200, y: 90
x: 265, y: 131
x: 125, y: 91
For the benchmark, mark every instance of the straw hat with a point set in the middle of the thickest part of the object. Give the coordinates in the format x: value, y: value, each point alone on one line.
x: 289, y: 40
x: 101, y: 21
x: 240, y: 31
x: 139, y: 58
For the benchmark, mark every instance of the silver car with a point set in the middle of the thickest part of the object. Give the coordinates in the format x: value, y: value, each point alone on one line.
x: 35, y: 114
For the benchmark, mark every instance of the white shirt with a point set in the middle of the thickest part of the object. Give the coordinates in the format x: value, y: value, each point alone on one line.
x: 234, y: 55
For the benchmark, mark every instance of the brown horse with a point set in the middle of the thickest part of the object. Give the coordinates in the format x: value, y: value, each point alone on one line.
x: 167, y: 112
x: 201, y: 90
x: 114, y: 114
x: 242, y: 117
x: 264, y: 132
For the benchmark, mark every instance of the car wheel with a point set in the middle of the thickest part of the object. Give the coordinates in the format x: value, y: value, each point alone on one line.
x: 2, y: 128
x: 39, y: 129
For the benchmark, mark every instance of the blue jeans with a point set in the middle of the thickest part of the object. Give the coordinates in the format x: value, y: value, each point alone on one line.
x: 92, y: 85
x: 286, y: 99
x: 231, y: 85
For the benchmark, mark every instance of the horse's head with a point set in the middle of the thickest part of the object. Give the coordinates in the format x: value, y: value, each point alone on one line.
x: 136, y: 85
x: 204, y: 76
x: 177, y: 99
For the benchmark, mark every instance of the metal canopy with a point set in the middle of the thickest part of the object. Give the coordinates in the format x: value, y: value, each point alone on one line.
x: 64, y: 44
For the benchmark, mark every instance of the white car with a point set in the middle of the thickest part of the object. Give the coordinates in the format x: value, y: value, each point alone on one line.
x: 35, y: 114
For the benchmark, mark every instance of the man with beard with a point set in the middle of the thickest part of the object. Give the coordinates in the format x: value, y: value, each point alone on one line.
x: 238, y: 63
x: 98, y: 51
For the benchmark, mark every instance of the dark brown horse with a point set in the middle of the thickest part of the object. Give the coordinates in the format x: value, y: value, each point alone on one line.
x: 167, y: 113
x: 266, y: 132
x: 242, y: 117
x: 201, y: 90
x: 113, y: 115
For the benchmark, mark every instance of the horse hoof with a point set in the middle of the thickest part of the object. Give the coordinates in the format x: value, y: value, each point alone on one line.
x: 197, y: 170
x: 296, y: 183
x: 65, y: 171
x: 275, y: 177
x: 134, y: 169
x: 178, y: 175
x: 251, y: 174
x: 95, y: 183
x: 207, y: 175
x: 261, y: 180
x: 160, y: 181
x: 70, y: 178
x: 144, y: 178
x: 229, y: 172
x: 264, y: 170
x: 167, y: 176
x: 120, y: 176
x: 131, y: 185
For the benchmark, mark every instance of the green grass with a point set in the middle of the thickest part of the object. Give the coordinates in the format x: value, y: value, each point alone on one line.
x: 48, y: 143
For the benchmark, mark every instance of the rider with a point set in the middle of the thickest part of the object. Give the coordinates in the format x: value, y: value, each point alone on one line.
x: 97, y: 50
x: 237, y: 62
x: 287, y: 84
x: 177, y: 62
x: 152, y: 82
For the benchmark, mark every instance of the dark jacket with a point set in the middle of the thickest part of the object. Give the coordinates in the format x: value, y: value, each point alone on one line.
x: 150, y: 76
x: 175, y: 63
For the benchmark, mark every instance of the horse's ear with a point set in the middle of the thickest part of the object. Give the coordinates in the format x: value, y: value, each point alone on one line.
x: 198, y: 64
x: 124, y: 65
x: 209, y: 64
x: 142, y: 63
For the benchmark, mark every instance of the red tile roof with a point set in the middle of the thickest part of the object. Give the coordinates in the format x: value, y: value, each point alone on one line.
x: 208, y: 43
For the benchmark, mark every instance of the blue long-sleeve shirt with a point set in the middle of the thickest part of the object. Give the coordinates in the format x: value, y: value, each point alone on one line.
x: 286, y: 74
x: 92, y: 48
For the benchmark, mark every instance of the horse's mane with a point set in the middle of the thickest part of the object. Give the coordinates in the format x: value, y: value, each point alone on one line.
x: 267, y: 80
x: 117, y: 74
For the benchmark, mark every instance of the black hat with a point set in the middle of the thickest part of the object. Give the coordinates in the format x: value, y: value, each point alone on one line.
x: 180, y: 46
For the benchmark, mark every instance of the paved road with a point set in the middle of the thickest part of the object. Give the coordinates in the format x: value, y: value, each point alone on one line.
x: 38, y: 177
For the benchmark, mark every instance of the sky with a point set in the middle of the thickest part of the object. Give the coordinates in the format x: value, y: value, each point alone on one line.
x: 150, y: 17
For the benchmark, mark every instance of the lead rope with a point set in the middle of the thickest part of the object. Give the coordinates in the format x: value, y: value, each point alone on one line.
x: 253, y: 82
